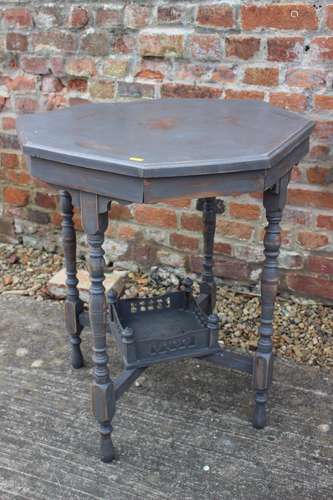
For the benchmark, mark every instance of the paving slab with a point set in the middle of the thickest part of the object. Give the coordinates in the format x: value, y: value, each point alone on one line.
x: 182, y: 432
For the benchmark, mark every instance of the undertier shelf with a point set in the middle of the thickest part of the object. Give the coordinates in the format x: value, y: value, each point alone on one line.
x: 162, y: 328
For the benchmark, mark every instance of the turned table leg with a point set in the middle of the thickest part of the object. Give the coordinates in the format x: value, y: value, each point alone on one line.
x: 73, y: 304
x: 209, y: 207
x: 103, y: 393
x: 274, y: 201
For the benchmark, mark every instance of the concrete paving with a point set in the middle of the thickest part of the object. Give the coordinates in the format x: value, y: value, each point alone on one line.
x: 183, y: 432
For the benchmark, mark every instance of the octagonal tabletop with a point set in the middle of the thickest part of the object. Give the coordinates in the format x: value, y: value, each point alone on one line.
x: 164, y: 138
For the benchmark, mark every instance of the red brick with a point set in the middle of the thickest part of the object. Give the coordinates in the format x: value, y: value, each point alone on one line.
x: 95, y: 44
x: 20, y: 83
x: 319, y: 151
x: 292, y: 102
x: 57, y: 65
x: 311, y: 241
x: 36, y: 65
x: 232, y: 229
x: 51, y: 84
x: 324, y: 130
x: 9, y: 160
x: 123, y: 43
x: 191, y: 222
x: 294, y: 216
x: 79, y: 17
x: 205, y: 46
x: 307, y: 198
x: 223, y: 74
x: 242, y: 47
x: 45, y: 200
x: 323, y: 102
x: 18, y: 177
x: 50, y: 40
x: 77, y: 85
x: 223, y: 248
x: 153, y: 69
x: 285, y: 17
x: 108, y: 17
x: 120, y: 212
x: 16, y: 42
x: 136, y: 16
x: 127, y: 232
x: 184, y: 242
x: 325, y: 221
x: 285, y: 49
x: 160, y: 217
x: 215, y: 16
x: 268, y: 77
x: 148, y: 74
x: 224, y: 267
x: 306, y: 78
x: 310, y: 286
x: 190, y: 91
x: 8, y: 123
x: 161, y: 44
x: 329, y: 16
x: 26, y: 105
x: 16, y: 196
x: 169, y: 14
x: 244, y: 94
x: 52, y: 101
x: 17, y: 18
x: 318, y: 175
x: 178, y: 202
x: 81, y: 66
x: 320, y: 264
x: 244, y: 211
x: 324, y: 46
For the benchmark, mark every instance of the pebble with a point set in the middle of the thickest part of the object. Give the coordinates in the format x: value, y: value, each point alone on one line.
x: 37, y: 363
x: 324, y: 427
x: 21, y: 351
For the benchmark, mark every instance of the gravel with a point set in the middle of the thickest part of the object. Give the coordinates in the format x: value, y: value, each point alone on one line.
x: 303, y: 328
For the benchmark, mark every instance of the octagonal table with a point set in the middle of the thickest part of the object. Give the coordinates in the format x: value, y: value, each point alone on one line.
x: 146, y: 152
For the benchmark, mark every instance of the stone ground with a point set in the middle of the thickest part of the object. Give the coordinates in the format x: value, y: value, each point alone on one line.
x: 183, y: 432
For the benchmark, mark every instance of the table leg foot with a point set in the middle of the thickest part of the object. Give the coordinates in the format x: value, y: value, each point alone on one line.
x: 107, y: 449
x: 260, y: 414
x: 77, y: 357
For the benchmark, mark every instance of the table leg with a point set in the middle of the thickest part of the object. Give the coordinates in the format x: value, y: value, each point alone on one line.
x: 103, y: 392
x: 209, y: 207
x: 274, y: 201
x: 73, y: 304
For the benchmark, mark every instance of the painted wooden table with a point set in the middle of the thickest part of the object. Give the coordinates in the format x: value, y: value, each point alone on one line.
x: 146, y: 152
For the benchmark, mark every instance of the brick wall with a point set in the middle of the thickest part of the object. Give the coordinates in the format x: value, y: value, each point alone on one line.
x: 65, y: 53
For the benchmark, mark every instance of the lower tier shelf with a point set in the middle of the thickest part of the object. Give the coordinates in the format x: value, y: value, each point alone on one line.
x: 163, y: 328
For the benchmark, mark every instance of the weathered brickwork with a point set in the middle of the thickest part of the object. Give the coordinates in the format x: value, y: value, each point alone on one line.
x: 66, y: 53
